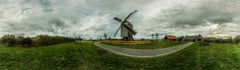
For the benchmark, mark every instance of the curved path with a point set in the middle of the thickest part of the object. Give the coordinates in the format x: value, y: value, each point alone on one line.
x: 143, y: 53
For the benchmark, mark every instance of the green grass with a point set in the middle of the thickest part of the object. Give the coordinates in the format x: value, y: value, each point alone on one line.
x: 214, y: 57
x: 67, y: 56
x: 85, y: 56
x: 151, y: 45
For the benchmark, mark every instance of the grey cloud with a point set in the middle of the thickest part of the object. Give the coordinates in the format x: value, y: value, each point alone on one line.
x: 191, y: 17
x: 182, y: 16
x: 94, y: 17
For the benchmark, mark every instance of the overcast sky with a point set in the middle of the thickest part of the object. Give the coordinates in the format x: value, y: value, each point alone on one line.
x: 92, y: 18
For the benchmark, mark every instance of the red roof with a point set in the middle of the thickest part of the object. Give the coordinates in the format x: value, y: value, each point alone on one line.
x: 170, y: 37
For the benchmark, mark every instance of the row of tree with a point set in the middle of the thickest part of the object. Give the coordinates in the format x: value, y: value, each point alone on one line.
x: 40, y: 40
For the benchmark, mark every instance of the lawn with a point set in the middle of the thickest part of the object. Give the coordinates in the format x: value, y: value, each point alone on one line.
x: 86, y: 56
x: 67, y: 56
x: 150, y: 45
x: 195, y: 57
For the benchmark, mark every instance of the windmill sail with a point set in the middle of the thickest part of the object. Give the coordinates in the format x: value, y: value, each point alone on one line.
x: 118, y: 19
x: 117, y: 31
x: 131, y: 14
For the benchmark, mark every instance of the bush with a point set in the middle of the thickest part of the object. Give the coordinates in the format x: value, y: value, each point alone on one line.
x: 40, y: 40
x: 27, y: 42
x: 237, y: 39
x: 204, y: 44
x: 8, y: 40
x: 43, y: 40
x: 19, y: 39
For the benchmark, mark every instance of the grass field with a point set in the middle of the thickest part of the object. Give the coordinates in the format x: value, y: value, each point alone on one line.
x: 85, y: 56
x: 67, y: 56
x: 150, y: 45
x: 214, y: 57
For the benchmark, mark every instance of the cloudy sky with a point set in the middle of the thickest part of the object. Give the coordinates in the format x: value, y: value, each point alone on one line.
x: 92, y: 18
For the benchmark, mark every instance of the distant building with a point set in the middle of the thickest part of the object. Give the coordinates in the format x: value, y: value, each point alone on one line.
x: 198, y: 38
x: 170, y: 38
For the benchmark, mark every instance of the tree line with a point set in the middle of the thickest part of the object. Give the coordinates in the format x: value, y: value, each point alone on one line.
x: 40, y: 40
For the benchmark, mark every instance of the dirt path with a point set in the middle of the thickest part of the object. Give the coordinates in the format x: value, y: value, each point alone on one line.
x: 143, y: 53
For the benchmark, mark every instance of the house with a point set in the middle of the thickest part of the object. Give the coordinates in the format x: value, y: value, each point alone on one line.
x: 170, y: 38
x: 197, y: 38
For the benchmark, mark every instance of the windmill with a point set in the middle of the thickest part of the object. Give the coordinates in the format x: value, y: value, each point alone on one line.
x: 126, y: 27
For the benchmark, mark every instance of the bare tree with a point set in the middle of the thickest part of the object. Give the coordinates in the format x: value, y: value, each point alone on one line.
x: 80, y: 38
x: 152, y: 36
x: 156, y: 36
x: 105, y: 35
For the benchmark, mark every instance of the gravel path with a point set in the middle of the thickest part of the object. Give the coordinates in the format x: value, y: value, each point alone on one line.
x: 143, y: 53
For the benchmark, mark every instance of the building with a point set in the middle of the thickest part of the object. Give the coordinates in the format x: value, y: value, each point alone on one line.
x: 198, y: 38
x: 170, y: 38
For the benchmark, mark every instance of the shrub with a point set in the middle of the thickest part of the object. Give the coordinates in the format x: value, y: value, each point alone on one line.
x: 43, y: 40
x: 8, y: 40
x: 237, y: 39
x: 19, y: 39
x: 40, y: 40
x: 204, y: 44
x: 27, y: 42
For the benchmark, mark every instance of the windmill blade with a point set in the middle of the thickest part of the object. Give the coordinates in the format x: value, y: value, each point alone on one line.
x: 131, y: 14
x: 117, y: 31
x: 118, y: 19
x: 130, y: 29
